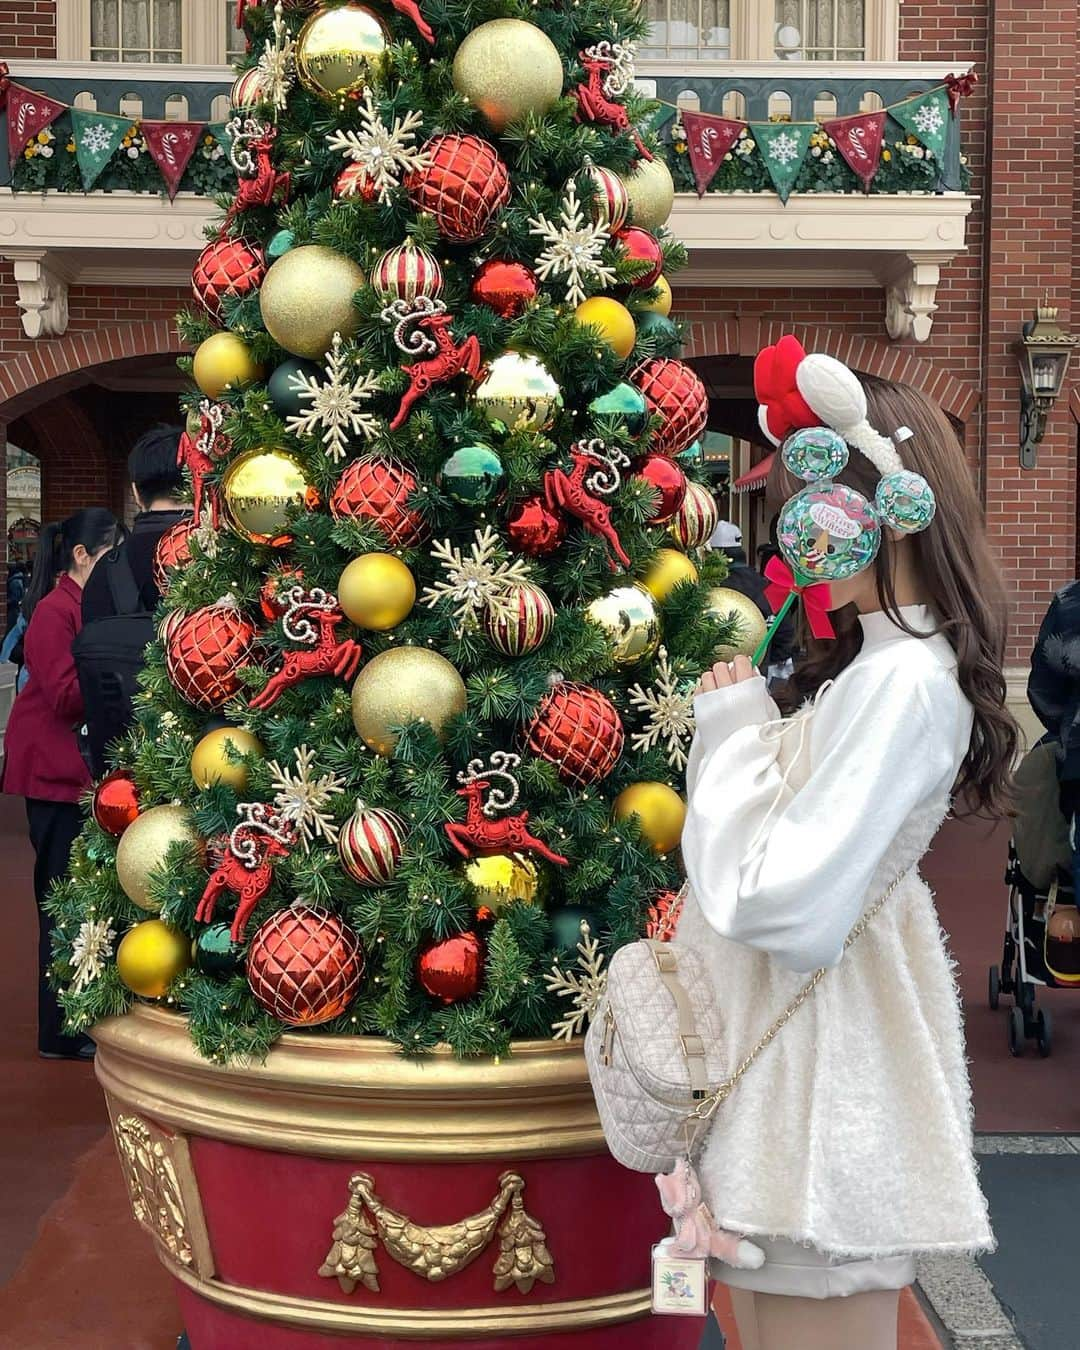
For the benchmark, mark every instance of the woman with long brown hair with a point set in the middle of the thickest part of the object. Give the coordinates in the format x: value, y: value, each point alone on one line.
x: 846, y: 1148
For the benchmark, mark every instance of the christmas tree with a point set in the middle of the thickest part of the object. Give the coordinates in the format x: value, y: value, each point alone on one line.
x: 408, y: 754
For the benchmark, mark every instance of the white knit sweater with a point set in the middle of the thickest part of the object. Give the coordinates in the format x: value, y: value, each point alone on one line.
x: 852, y: 1131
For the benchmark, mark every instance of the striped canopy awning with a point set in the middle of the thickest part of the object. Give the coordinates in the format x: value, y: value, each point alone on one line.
x: 756, y: 478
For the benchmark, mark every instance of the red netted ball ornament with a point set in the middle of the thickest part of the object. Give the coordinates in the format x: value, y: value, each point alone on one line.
x: 275, y: 588
x: 451, y: 970
x: 641, y: 246
x: 355, y: 181
x: 304, y: 966
x: 378, y: 489
x: 578, y: 729
x: 535, y: 529
x: 116, y: 802
x: 370, y: 845
x: 204, y: 652
x: 693, y: 524
x: 665, y: 476
x: 664, y: 915
x: 524, y: 624
x: 173, y: 552
x: 674, y: 392
x: 226, y: 267
x: 464, y: 185
x: 405, y: 272
x: 506, y: 287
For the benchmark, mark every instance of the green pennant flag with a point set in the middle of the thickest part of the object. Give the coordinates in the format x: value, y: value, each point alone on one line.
x: 220, y: 133
x: 783, y: 146
x: 97, y: 136
x: 926, y: 117
x: 660, y: 118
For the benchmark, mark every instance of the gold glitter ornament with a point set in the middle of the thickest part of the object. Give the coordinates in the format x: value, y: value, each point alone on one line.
x: 507, y: 68
x: 212, y: 762
x: 501, y: 878
x: 404, y: 684
x: 307, y: 296
x: 338, y: 50
x: 518, y: 393
x: 668, y: 568
x: 750, y: 622
x: 259, y: 491
x: 143, y: 847
x: 150, y: 957
x: 376, y: 591
x: 660, y: 813
x: 652, y: 193
x: 629, y: 618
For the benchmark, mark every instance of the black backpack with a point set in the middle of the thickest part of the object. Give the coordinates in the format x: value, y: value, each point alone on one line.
x: 109, y: 656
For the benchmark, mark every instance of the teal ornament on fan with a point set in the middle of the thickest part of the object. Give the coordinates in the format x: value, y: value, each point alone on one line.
x: 657, y: 326
x: 279, y: 244
x: 625, y: 403
x: 473, y: 476
x: 566, y: 926
x: 216, y: 953
x: 282, y: 386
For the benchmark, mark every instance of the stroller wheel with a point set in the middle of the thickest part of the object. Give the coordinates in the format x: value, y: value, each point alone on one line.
x: 1016, y: 1032
x: 1044, y: 1032
x: 994, y: 992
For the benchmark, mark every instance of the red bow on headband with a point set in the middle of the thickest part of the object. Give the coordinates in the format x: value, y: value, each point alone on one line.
x: 782, y: 589
x: 784, y: 409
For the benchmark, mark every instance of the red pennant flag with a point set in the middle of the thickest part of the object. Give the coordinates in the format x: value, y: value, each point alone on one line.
x: 5, y: 83
x: 708, y: 139
x: 859, y: 140
x: 28, y: 113
x: 171, y: 144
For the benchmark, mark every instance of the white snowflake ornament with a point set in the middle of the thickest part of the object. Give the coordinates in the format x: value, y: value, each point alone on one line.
x: 92, y: 948
x: 478, y: 583
x: 669, y: 712
x: 301, y: 799
x: 574, y: 245
x: 386, y: 153
x: 277, y: 65
x: 583, y: 984
x: 336, y: 405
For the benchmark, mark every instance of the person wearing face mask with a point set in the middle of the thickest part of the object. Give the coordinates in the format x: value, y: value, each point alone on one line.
x: 42, y: 761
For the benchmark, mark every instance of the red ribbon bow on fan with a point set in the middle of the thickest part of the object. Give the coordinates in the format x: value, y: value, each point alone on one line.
x: 782, y: 590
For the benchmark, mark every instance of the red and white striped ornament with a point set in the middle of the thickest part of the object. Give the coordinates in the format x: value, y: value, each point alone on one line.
x: 247, y: 90
x: 525, y: 625
x: 610, y: 205
x: 693, y: 524
x: 405, y: 272
x: 370, y: 845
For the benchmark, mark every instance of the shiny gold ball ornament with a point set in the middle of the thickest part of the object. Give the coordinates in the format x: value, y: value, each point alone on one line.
x: 615, y: 322
x: 507, y: 68
x: 376, y: 591
x: 143, y: 847
x: 150, y: 957
x: 404, y: 684
x: 307, y: 296
x: 668, y: 568
x: 750, y: 625
x: 338, y: 50
x: 651, y: 190
x: 629, y: 618
x: 213, y: 761
x: 501, y: 878
x: 659, y: 810
x: 662, y: 304
x: 260, y: 490
x: 518, y: 393
x: 223, y: 362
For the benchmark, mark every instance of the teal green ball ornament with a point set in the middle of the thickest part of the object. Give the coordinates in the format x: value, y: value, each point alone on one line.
x: 624, y: 402
x: 216, y: 953
x: 654, y: 325
x: 280, y: 243
x: 566, y: 926
x: 283, y: 395
x: 473, y: 476
x: 693, y: 454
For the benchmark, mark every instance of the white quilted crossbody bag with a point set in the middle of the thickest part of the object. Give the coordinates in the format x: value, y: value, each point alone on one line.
x: 651, y: 1049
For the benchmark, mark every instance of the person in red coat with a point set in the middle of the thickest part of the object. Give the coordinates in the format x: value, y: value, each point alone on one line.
x: 42, y: 761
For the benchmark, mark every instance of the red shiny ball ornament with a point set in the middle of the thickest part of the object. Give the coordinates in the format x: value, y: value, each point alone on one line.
x: 116, y: 802
x: 506, y: 287
x: 534, y: 529
x: 226, y: 267
x: 204, y: 652
x: 304, y: 966
x: 354, y: 181
x: 668, y: 479
x: 642, y: 246
x: 451, y: 970
x: 173, y: 552
x: 578, y: 729
x: 464, y: 185
x: 673, y: 392
x: 272, y: 594
x: 378, y: 489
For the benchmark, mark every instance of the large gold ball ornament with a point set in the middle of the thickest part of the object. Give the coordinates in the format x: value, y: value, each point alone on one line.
x: 339, y: 49
x: 307, y: 296
x: 630, y: 621
x: 507, y: 68
x: 518, y: 393
x: 260, y: 490
x: 662, y: 303
x: 668, y: 568
x: 150, y: 957
x: 143, y: 846
x: 213, y: 762
x: 750, y: 623
x: 499, y: 879
x: 224, y: 362
x: 660, y: 813
x: 615, y: 322
x: 651, y: 190
x: 404, y: 684
x: 376, y: 591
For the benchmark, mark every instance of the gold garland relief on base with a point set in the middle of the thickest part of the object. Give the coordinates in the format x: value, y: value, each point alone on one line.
x: 156, y: 1201
x: 437, y: 1252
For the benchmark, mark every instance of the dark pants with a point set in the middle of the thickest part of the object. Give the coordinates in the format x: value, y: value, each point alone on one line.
x: 54, y: 827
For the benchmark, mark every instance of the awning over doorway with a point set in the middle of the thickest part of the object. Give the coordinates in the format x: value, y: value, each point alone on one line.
x: 756, y: 478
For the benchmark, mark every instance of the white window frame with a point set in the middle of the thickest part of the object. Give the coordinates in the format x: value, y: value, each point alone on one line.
x: 753, y: 34
x: 203, y: 41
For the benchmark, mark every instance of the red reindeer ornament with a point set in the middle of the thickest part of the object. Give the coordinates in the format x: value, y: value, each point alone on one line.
x: 259, y: 183
x: 595, y: 471
x: 247, y: 867
x: 484, y: 831
x: 443, y: 358
x: 311, y: 618
x: 199, y: 457
x: 607, y: 74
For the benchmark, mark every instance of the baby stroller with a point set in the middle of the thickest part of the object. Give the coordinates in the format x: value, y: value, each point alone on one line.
x: 1041, y: 905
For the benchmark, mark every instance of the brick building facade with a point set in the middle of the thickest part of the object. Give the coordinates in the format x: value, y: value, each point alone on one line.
x: 1022, y: 243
